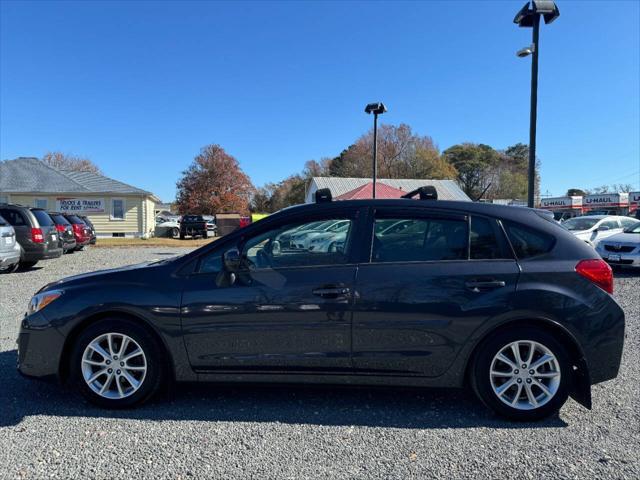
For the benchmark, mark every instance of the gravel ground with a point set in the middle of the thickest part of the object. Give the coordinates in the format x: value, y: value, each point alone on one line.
x: 222, y: 432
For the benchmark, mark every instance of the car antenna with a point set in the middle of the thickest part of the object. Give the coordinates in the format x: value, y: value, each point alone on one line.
x: 483, y: 192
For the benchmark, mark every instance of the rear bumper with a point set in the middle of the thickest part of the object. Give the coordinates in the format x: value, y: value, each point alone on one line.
x: 68, y: 245
x: 7, y: 259
x: 41, y: 252
x: 604, y: 353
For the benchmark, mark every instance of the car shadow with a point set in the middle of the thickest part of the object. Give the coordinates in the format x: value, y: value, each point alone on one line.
x: 28, y: 269
x: 626, y: 272
x: 329, y: 406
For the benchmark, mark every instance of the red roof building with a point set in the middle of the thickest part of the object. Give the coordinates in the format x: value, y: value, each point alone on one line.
x: 366, y: 191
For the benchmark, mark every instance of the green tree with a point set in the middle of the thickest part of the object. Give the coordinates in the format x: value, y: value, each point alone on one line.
x: 475, y: 164
x: 575, y: 192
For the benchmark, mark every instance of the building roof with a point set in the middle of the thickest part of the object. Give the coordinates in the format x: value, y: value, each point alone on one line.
x: 366, y: 191
x: 30, y: 175
x: 447, y: 189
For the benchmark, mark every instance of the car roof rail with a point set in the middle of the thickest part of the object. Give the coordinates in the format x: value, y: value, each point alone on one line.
x: 323, y: 195
x: 427, y: 192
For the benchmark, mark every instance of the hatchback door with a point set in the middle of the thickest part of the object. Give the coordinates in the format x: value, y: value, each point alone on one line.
x: 48, y: 227
x: 288, y: 310
x: 432, y: 280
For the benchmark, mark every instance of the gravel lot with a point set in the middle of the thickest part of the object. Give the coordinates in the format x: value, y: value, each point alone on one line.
x: 222, y: 432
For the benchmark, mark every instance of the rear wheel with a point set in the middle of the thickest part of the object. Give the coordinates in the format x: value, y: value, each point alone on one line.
x: 11, y: 269
x: 174, y: 232
x: 522, y: 374
x: 116, y: 363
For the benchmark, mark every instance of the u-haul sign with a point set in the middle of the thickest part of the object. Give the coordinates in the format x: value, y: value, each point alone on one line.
x: 634, y: 198
x: 596, y: 200
x: 554, y: 203
x: 80, y: 205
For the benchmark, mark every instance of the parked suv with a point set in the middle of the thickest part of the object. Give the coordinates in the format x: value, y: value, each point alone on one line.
x: 65, y: 232
x: 81, y: 230
x: 499, y: 299
x: 93, y: 236
x: 9, y: 248
x: 35, y: 232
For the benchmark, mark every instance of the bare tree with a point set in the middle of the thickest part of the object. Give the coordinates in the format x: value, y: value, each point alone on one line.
x: 65, y: 161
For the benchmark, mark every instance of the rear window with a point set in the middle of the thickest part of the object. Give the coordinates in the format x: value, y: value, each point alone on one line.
x: 192, y: 218
x: 60, y: 220
x: 43, y: 218
x: 75, y: 219
x: 528, y: 242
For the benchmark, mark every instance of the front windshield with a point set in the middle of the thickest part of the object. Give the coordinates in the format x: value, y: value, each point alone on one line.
x: 633, y: 228
x: 580, y: 223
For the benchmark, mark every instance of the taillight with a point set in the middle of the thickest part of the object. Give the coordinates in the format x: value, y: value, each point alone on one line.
x: 60, y: 228
x: 36, y: 235
x: 598, y: 271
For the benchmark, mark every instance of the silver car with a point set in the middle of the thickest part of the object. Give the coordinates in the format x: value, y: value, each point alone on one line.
x: 9, y: 248
x: 594, y: 228
x: 623, y: 248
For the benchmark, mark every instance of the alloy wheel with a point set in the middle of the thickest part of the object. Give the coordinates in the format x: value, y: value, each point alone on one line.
x: 114, y: 365
x: 525, y: 374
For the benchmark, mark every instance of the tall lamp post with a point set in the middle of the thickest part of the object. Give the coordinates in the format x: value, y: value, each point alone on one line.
x: 376, y: 109
x: 529, y: 16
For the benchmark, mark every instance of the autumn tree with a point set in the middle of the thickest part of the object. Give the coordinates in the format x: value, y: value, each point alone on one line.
x: 214, y: 183
x: 401, y: 154
x: 65, y: 161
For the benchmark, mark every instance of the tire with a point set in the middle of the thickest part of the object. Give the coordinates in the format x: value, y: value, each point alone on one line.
x: 182, y: 236
x: 486, y: 385
x: 205, y: 235
x: 174, y: 232
x: 11, y: 269
x: 127, y: 395
x: 25, y: 265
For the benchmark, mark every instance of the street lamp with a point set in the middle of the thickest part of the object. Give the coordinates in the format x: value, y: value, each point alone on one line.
x: 529, y: 16
x: 376, y: 109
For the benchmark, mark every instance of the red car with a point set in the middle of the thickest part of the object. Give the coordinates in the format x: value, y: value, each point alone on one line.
x: 81, y: 230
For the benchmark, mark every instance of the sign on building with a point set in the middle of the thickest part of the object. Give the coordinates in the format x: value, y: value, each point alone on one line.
x: 80, y: 205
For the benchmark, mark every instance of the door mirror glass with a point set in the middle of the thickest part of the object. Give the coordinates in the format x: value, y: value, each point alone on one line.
x: 232, y: 260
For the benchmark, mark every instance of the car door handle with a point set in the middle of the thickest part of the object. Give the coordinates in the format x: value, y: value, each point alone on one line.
x: 480, y: 285
x: 331, y: 292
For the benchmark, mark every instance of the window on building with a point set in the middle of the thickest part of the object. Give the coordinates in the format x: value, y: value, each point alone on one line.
x: 4, y: 199
x: 117, y: 209
x: 41, y: 203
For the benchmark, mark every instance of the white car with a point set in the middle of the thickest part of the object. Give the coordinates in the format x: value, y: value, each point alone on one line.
x: 302, y: 240
x: 593, y: 228
x: 622, y: 249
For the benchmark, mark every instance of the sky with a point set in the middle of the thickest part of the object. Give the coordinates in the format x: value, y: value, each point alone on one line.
x: 140, y: 87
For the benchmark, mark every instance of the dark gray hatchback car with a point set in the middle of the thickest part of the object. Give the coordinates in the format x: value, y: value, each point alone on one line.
x: 35, y: 232
x: 413, y: 293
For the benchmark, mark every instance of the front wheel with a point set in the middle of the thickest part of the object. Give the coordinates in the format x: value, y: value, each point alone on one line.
x: 117, y: 364
x: 522, y: 374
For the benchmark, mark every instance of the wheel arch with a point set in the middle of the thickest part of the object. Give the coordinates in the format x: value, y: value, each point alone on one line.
x: 581, y: 390
x: 63, y: 368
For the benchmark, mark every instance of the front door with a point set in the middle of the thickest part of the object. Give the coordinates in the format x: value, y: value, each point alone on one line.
x: 289, y: 308
x: 428, y: 286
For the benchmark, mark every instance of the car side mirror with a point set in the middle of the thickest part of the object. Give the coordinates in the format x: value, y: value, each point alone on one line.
x: 603, y: 228
x: 231, y: 260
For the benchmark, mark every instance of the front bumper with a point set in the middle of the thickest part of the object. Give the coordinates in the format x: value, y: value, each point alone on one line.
x: 619, y: 258
x: 40, y: 347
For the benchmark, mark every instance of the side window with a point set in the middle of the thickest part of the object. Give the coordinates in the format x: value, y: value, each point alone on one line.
x: 13, y: 217
x: 299, y: 244
x: 419, y: 240
x: 484, y: 243
x: 628, y: 222
x: 528, y: 242
x: 612, y: 224
x: 212, y: 263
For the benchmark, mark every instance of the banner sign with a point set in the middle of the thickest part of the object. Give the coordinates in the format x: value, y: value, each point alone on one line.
x: 606, y: 200
x: 634, y: 198
x: 561, y: 202
x: 80, y: 205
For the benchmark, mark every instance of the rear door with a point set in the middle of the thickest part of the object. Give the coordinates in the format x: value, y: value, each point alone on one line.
x: 432, y: 279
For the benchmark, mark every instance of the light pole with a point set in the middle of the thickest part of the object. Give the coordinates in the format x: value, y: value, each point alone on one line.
x: 529, y: 16
x: 376, y: 109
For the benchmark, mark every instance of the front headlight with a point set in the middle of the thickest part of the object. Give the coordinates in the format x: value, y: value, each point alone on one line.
x: 41, y: 300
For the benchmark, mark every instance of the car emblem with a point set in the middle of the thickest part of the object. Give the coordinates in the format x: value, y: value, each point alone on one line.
x: 617, y: 246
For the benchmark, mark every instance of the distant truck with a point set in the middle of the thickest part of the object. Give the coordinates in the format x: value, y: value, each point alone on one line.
x: 193, y: 226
